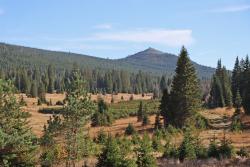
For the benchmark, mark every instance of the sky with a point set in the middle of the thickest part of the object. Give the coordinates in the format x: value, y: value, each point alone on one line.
x: 209, y: 29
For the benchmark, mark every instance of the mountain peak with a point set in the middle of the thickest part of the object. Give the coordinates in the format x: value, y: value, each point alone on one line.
x: 151, y: 50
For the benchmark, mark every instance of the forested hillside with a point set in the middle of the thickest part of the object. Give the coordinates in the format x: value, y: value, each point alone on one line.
x: 149, y: 60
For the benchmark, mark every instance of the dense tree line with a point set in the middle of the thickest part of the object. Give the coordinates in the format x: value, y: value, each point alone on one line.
x: 227, y: 88
x: 36, y: 81
x: 220, y: 93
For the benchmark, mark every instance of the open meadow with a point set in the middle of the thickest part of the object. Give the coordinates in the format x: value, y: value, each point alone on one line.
x: 219, y: 119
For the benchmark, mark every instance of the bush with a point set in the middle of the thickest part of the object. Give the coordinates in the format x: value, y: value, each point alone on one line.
x: 144, y: 153
x: 130, y: 130
x: 51, y: 110
x: 135, y: 139
x: 156, y: 144
x: 102, y: 117
x: 213, y: 149
x: 243, y: 152
x: 145, y: 120
x: 22, y: 102
x: 112, y: 100
x: 170, y: 151
x: 101, y: 137
x: 226, y: 149
x: 187, y: 149
x: 201, y: 152
x: 172, y: 130
x: 59, y: 103
x: 39, y: 102
x: 236, y: 125
x: 131, y: 98
x: 201, y: 122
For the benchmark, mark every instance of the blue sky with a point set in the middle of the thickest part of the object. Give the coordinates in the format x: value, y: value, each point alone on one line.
x: 210, y: 29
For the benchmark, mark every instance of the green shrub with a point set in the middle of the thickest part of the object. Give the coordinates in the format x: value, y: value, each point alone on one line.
x: 112, y: 100
x: 236, y: 125
x: 144, y: 153
x: 135, y: 139
x: 130, y: 130
x: 201, y: 152
x: 102, y: 117
x: 22, y: 102
x: 243, y: 152
x: 170, y: 151
x: 59, y: 103
x: 101, y: 137
x: 51, y: 110
x: 172, y: 130
x: 213, y: 149
x: 39, y: 102
x: 201, y: 122
x: 158, y: 124
x: 156, y: 144
x: 187, y: 149
x: 145, y: 120
x: 226, y: 149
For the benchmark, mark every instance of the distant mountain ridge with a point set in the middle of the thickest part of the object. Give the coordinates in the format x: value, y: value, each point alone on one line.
x: 149, y: 60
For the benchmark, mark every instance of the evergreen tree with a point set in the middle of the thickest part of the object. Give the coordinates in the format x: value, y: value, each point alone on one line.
x: 41, y: 93
x: 227, y: 88
x: 187, y: 148
x: 130, y: 130
x: 140, y: 112
x: 34, y: 90
x: 50, y: 148
x: 220, y: 94
x: 102, y: 117
x: 76, y: 115
x: 216, y: 94
x: 238, y: 102
x: 144, y: 153
x: 163, y: 83
x: 25, y: 83
x: 185, y: 92
x: 145, y: 120
x: 112, y: 156
x: 51, y: 77
x: 164, y: 107
x: 246, y: 86
x: 158, y: 124
x: 236, y: 78
x: 17, y: 143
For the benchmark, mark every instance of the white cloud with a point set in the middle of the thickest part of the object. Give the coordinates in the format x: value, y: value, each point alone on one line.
x: 235, y: 8
x: 103, y: 26
x: 167, y: 37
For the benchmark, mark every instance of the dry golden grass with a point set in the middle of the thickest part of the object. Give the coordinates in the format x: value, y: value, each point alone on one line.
x: 37, y: 120
x: 107, y: 97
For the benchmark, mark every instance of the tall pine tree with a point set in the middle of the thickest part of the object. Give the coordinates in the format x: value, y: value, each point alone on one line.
x: 235, y: 83
x: 185, y: 93
x: 17, y: 142
x: 164, y: 107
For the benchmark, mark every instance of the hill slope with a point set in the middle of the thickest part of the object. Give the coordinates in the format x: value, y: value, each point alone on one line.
x: 149, y: 60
